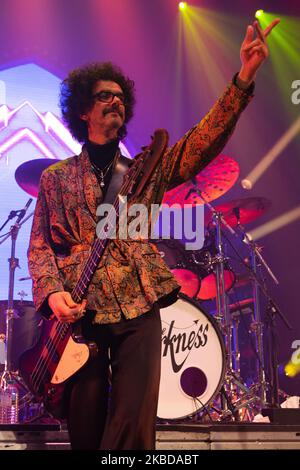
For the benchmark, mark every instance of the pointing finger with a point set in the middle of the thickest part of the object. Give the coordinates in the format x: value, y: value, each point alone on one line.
x: 271, y: 26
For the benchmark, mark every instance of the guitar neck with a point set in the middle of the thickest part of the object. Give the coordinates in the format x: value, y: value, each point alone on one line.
x: 95, y: 256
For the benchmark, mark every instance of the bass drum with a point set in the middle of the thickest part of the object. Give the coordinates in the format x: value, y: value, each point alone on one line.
x: 193, y: 360
x: 26, y: 328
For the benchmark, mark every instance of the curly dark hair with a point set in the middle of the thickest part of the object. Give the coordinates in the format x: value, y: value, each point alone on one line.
x: 76, y: 95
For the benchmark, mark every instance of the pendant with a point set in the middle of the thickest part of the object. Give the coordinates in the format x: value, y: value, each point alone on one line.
x: 102, y: 180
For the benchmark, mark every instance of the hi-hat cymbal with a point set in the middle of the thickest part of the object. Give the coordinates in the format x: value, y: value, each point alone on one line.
x: 29, y: 173
x: 243, y: 210
x: 212, y: 182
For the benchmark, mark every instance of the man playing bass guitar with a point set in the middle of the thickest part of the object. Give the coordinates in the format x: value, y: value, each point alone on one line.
x: 120, y: 310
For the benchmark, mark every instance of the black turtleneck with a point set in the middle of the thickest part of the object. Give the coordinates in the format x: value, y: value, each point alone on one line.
x: 102, y: 155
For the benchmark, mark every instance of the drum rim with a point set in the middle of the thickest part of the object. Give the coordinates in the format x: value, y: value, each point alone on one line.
x: 214, y: 322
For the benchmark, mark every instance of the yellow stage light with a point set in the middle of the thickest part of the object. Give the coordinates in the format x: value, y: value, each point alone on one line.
x: 259, y: 13
x: 182, y: 6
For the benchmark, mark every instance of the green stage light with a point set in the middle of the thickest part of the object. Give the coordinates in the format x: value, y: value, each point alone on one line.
x: 259, y: 13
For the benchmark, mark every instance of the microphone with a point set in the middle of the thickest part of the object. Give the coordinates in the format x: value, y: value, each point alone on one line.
x: 23, y: 211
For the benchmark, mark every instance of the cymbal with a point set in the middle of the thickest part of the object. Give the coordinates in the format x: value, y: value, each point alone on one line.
x: 248, y: 210
x: 29, y: 173
x: 212, y: 182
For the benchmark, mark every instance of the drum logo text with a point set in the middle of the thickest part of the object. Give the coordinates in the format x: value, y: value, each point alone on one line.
x: 174, y: 344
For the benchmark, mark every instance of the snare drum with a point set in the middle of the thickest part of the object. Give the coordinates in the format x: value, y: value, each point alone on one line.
x: 193, y: 360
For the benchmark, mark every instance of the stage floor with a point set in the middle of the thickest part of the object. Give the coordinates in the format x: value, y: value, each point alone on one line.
x: 216, y: 436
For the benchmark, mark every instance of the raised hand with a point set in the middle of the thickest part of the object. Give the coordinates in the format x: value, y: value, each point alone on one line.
x: 254, y: 51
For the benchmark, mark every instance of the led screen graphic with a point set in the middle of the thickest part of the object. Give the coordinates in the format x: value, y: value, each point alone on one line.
x: 30, y: 129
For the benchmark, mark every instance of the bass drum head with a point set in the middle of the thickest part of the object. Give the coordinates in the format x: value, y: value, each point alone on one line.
x: 192, y: 362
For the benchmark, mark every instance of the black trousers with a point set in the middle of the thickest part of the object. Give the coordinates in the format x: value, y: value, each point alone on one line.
x: 118, y: 411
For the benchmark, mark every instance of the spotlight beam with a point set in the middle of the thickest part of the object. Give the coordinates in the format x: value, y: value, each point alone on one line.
x: 276, y: 224
x: 275, y: 151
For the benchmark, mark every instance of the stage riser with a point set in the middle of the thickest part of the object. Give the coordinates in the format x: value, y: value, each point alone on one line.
x: 165, y: 440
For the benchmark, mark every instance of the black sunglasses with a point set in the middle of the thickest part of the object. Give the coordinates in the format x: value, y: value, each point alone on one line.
x: 108, y: 96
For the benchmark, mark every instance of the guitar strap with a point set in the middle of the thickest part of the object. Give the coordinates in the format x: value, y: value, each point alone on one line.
x: 116, y: 181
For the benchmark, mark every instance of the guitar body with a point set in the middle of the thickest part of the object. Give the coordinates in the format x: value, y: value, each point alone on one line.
x: 47, y: 367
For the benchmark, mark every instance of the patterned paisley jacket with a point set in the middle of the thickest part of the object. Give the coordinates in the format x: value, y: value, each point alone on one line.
x: 131, y: 275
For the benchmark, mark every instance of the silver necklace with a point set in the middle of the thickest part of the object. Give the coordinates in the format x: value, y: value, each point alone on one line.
x: 102, y: 173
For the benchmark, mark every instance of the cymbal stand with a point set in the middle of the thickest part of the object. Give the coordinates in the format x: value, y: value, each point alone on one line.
x: 236, y: 354
x: 257, y: 327
x: 257, y: 261
x: 233, y: 382
x: 222, y: 304
x: 14, y: 395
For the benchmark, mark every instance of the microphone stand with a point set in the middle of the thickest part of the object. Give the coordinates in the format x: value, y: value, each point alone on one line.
x: 10, y: 380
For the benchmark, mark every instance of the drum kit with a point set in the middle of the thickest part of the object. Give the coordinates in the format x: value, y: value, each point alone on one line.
x: 201, y: 353
x: 201, y: 343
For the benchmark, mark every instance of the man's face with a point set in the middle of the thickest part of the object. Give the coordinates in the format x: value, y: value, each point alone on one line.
x: 105, y: 119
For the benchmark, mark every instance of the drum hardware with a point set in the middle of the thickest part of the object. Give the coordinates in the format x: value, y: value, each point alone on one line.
x: 205, y: 260
x: 234, y: 387
x: 254, y: 265
x: 235, y: 342
x: 256, y: 262
x: 210, y: 260
x: 237, y: 396
x: 242, y: 305
x: 16, y: 403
